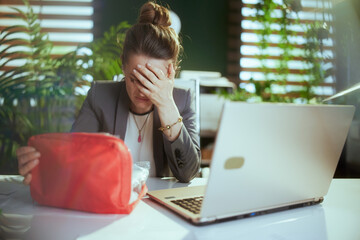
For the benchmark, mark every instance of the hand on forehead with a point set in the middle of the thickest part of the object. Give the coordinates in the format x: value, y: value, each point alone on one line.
x: 142, y: 60
x: 163, y: 65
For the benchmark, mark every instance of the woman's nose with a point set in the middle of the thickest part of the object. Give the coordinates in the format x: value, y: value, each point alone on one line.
x: 141, y: 94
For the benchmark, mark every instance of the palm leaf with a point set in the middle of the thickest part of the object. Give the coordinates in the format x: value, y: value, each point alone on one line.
x: 12, y: 30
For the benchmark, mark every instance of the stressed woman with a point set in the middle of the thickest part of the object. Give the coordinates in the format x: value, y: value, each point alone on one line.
x: 155, y: 120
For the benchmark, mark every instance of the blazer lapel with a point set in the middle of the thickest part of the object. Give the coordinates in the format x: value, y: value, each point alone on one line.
x: 122, y: 112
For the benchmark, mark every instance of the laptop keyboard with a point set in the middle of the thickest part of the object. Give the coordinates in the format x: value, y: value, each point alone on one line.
x: 191, y: 204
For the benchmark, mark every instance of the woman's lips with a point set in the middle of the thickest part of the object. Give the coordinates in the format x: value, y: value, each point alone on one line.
x: 142, y: 99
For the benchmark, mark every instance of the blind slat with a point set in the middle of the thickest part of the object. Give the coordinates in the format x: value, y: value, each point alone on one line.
x: 236, y: 68
x: 238, y: 5
x: 52, y: 16
x: 235, y: 43
x: 48, y: 3
x: 235, y: 56
x: 55, y: 43
x: 55, y: 30
x: 233, y: 30
x: 276, y: 20
x: 19, y: 55
x: 290, y: 83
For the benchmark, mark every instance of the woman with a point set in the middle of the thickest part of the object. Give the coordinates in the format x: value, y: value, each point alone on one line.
x: 154, y: 119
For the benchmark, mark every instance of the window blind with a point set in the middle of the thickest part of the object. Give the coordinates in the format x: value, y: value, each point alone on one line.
x: 244, y: 54
x: 68, y: 23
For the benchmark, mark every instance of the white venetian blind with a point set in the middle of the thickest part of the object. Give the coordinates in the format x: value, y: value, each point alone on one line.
x: 68, y: 23
x: 244, y: 51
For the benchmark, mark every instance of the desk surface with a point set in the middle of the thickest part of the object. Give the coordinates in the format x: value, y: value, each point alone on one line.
x: 338, y: 217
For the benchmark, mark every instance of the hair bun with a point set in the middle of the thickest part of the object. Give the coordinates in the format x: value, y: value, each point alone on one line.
x: 154, y: 13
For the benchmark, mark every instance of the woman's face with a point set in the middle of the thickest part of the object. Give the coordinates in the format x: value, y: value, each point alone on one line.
x: 139, y: 102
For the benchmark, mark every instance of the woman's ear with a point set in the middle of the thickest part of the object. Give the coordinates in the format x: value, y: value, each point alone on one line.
x: 168, y: 70
x: 171, y: 71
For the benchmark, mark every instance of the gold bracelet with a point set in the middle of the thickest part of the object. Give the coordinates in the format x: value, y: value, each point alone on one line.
x: 167, y: 127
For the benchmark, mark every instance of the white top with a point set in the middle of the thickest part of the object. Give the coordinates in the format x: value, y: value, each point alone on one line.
x: 143, y: 150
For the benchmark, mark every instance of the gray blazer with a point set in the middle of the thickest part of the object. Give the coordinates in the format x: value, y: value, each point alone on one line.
x: 106, y: 109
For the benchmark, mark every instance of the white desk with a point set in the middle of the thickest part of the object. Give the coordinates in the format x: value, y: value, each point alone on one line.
x: 338, y: 217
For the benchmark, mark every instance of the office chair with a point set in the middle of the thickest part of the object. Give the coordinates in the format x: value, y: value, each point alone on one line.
x: 194, y: 85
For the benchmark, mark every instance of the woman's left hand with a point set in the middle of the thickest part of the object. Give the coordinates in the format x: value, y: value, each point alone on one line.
x: 155, y: 84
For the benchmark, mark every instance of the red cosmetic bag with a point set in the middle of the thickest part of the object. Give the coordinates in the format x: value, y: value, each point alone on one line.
x: 83, y: 171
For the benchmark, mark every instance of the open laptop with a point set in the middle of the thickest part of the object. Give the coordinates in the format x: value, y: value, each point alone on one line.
x: 267, y: 157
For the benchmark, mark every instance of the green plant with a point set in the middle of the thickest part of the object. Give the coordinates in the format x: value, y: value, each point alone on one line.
x: 314, y: 59
x: 104, y: 61
x: 23, y: 87
x: 40, y: 96
x: 268, y: 14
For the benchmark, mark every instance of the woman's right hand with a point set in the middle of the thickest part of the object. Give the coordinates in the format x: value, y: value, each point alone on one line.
x: 28, y: 158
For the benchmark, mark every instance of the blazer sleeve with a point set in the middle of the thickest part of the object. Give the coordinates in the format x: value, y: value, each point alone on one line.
x: 87, y: 120
x: 183, y: 155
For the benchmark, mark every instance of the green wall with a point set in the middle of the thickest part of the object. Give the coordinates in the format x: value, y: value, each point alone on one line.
x: 203, y: 28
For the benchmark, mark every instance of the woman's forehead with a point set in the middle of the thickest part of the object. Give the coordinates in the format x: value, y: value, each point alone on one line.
x: 136, y: 59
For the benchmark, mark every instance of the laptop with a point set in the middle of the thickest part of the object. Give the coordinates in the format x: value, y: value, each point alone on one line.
x: 267, y: 157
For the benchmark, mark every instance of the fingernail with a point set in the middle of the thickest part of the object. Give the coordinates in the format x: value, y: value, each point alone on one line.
x: 134, y: 70
x: 149, y: 64
x: 37, y: 154
x: 139, y: 66
x: 36, y: 161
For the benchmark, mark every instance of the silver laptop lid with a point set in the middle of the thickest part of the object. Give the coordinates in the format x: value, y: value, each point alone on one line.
x: 271, y: 155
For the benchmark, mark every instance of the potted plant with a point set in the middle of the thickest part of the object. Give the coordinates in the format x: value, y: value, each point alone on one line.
x: 40, y: 96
